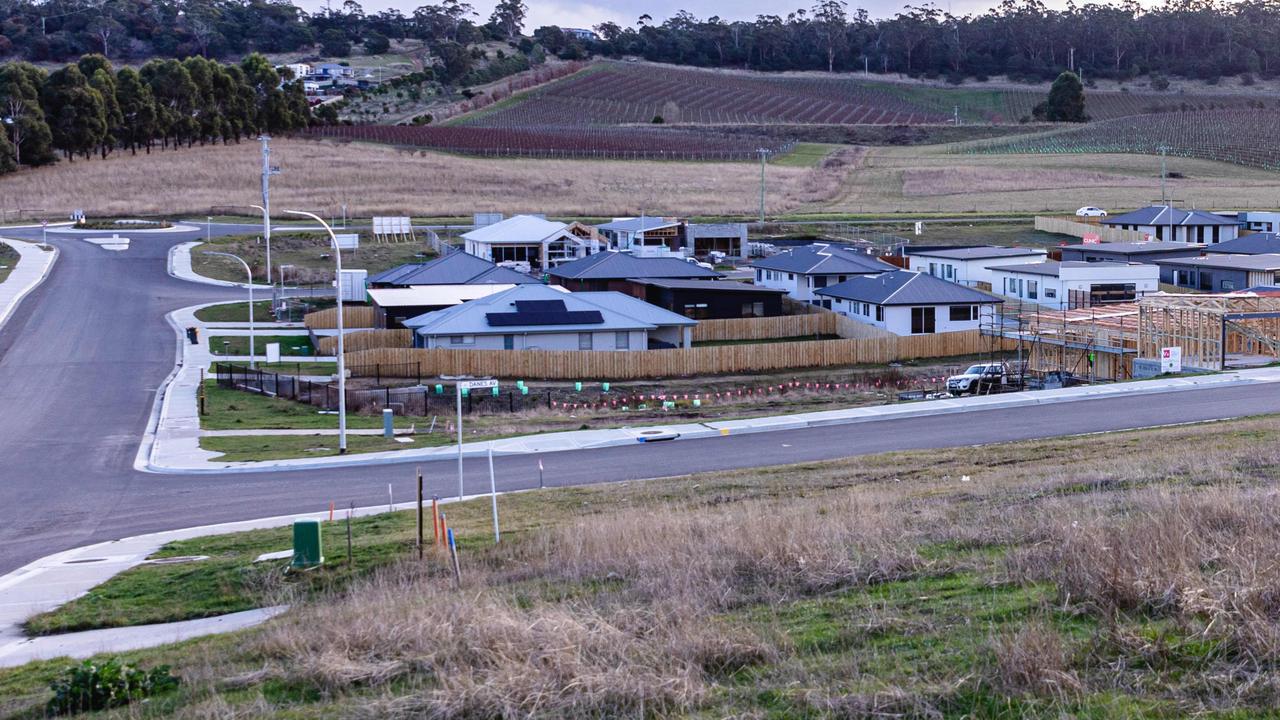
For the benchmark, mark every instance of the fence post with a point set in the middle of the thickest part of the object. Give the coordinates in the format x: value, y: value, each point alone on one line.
x: 419, y: 372
x: 511, y: 401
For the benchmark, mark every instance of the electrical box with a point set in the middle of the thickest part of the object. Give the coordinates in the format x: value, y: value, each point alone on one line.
x: 307, y: 551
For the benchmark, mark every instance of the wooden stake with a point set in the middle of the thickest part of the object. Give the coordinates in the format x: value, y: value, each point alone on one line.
x: 420, y: 520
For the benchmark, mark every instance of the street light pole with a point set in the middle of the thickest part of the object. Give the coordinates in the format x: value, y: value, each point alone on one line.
x: 248, y: 273
x: 342, y: 366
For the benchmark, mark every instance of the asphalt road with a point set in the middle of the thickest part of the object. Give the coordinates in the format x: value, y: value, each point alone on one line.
x: 82, y: 358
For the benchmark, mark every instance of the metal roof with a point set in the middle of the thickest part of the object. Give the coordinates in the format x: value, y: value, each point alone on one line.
x: 617, y: 311
x: 1135, y: 248
x: 431, y: 295
x: 457, y: 268
x: 612, y: 265
x: 1166, y: 215
x: 905, y: 287
x: 1262, y: 243
x: 640, y: 224
x: 1260, y: 263
x: 1048, y: 267
x: 823, y: 260
x: 981, y: 252
x: 517, y: 230
x: 708, y: 285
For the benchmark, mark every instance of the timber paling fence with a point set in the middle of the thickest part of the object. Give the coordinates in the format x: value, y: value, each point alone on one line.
x: 617, y: 366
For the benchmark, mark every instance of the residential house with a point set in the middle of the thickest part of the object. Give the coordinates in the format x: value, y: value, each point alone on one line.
x: 612, y: 270
x: 711, y: 299
x: 665, y: 236
x: 299, y: 70
x: 1221, y: 273
x: 969, y: 266
x: 1260, y: 243
x: 538, y: 317
x: 729, y: 239
x: 528, y: 241
x: 1076, y: 284
x: 582, y: 34
x: 1144, y: 252
x: 1165, y: 222
x: 332, y: 70
x: 410, y: 290
x: 1256, y: 220
x: 804, y: 270
x: 906, y: 302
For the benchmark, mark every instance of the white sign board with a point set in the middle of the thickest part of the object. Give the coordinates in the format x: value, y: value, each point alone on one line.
x: 477, y: 384
x: 391, y: 226
x: 273, y: 352
x: 1171, y: 360
x: 350, y: 241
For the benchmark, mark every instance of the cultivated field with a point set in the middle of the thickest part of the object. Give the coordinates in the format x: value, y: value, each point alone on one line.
x: 1129, y: 575
x: 373, y: 179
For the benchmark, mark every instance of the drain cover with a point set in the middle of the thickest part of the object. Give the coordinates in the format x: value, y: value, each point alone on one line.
x: 177, y: 560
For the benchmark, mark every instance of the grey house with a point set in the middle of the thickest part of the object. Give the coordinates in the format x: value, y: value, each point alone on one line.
x: 1263, y: 243
x: 1148, y: 252
x: 905, y: 302
x: 540, y: 317
x: 456, y: 268
x: 1165, y: 222
x: 1221, y: 273
x: 804, y: 270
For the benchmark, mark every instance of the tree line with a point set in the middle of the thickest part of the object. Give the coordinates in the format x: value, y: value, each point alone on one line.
x: 88, y: 107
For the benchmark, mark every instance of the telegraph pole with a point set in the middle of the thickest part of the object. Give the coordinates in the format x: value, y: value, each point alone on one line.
x: 267, y: 172
x: 764, y: 153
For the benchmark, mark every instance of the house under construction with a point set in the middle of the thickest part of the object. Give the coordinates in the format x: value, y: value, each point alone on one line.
x: 1214, y: 332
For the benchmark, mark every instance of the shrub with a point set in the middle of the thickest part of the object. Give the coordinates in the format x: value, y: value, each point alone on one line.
x: 657, y: 120
x: 1159, y: 82
x: 91, y: 686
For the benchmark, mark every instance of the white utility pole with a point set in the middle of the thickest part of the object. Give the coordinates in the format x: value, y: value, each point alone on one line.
x: 267, y: 171
x: 764, y: 153
x: 249, y: 274
x: 342, y: 365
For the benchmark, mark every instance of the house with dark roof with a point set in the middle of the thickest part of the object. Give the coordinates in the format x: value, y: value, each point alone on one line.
x: 1076, y: 284
x: 710, y: 299
x: 1165, y: 222
x: 615, y: 271
x: 1220, y: 272
x: 410, y: 290
x: 969, y: 266
x: 1147, y: 252
x: 906, y: 302
x: 804, y: 270
x: 540, y: 317
x: 1261, y: 243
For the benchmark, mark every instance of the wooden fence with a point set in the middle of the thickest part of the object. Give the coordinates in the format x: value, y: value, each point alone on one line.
x: 783, y: 326
x: 582, y: 364
x: 1063, y: 226
x: 354, y: 316
x: 367, y: 340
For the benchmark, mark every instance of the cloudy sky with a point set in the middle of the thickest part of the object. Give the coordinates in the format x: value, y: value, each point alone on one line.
x: 587, y: 13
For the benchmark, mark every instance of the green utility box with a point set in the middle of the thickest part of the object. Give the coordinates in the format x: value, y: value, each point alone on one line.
x: 306, y: 544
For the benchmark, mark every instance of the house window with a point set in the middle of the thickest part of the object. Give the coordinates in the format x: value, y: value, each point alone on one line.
x: 963, y: 313
x: 697, y: 311
x: 879, y: 313
x: 759, y: 275
x: 922, y: 320
x: 791, y: 276
x: 753, y: 309
x: 951, y: 271
x: 820, y: 281
x: 462, y: 339
x: 584, y: 341
x: 933, y: 269
x: 622, y: 340
x: 1228, y: 284
x: 866, y: 308
x: 1033, y: 287
x: 508, y: 342
x: 1050, y: 292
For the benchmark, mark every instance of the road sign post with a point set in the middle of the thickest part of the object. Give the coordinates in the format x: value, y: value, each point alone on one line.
x: 467, y: 385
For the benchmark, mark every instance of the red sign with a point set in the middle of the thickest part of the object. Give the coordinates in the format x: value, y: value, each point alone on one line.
x: 1092, y: 239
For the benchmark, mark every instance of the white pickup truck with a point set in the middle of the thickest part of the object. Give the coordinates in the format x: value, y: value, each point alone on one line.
x: 981, y: 379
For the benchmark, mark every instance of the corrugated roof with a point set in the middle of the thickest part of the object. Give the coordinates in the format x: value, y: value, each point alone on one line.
x: 517, y: 230
x: 904, y: 287
x: 824, y: 260
x: 617, y: 311
x: 1259, y: 263
x: 708, y: 285
x: 431, y: 295
x: 982, y: 252
x: 1048, y: 267
x: 457, y: 268
x: 1262, y: 243
x: 637, y: 224
x: 611, y: 265
x: 1135, y: 248
x: 1166, y: 215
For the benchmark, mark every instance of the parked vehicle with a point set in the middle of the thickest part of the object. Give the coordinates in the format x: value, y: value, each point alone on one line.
x: 1055, y: 379
x: 981, y: 379
x: 1091, y: 212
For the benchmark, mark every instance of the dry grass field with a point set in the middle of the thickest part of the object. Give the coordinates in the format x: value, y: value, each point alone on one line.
x: 375, y: 179
x: 1126, y: 575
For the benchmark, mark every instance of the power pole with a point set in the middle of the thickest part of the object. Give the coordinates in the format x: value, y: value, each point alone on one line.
x: 267, y: 172
x: 764, y: 152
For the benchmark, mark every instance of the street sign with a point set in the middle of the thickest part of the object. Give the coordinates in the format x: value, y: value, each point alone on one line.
x: 1092, y: 239
x: 1171, y: 360
x: 477, y: 384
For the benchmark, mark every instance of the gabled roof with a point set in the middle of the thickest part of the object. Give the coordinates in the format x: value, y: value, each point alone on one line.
x: 905, y: 287
x: 615, y: 311
x: 824, y: 260
x: 639, y: 224
x: 1256, y: 244
x: 517, y: 230
x: 1166, y: 215
x: 621, y: 266
x: 1135, y: 248
x: 1257, y: 263
x: 707, y: 285
x: 431, y: 295
x: 982, y: 252
x: 1049, y: 267
x: 457, y: 268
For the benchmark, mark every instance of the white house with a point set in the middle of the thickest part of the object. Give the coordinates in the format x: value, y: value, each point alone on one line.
x: 581, y: 34
x: 539, y: 317
x: 804, y: 270
x: 528, y: 240
x: 969, y: 266
x: 905, y: 302
x: 299, y: 70
x: 1076, y: 284
x: 644, y: 236
x: 1165, y: 222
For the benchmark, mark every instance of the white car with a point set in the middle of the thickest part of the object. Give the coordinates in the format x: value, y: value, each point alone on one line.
x: 1091, y: 212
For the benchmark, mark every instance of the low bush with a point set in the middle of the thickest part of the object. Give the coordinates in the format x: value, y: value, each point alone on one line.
x: 91, y: 686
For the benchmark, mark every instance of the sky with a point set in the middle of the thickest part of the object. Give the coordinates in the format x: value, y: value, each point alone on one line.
x: 588, y: 13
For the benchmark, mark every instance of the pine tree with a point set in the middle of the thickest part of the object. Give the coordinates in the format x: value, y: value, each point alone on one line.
x: 28, y: 130
x: 76, y: 112
x: 1066, y: 101
x: 137, y: 108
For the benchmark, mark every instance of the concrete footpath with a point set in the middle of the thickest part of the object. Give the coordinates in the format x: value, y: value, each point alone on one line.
x: 180, y: 267
x: 33, y: 267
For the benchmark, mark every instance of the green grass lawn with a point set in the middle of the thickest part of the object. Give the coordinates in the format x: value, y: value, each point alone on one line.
x: 290, y: 345
x: 227, y: 409
x: 235, y: 312
x: 249, y: 448
x: 8, y: 260
x: 804, y: 155
x: 310, y: 254
x: 295, y: 368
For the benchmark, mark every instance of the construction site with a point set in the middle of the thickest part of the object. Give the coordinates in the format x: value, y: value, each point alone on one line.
x: 1121, y: 341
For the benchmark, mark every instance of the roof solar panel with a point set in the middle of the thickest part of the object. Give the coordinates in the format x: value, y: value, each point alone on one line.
x: 539, y: 306
x: 563, y: 317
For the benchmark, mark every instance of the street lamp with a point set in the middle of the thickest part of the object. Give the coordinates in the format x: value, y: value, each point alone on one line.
x: 342, y: 367
x: 266, y: 236
x: 249, y: 273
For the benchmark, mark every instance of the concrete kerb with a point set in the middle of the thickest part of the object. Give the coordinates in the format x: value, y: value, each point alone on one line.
x: 180, y: 267
x: 34, y: 267
x: 70, y: 229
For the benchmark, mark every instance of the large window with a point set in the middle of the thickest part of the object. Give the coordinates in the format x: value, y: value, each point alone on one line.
x: 964, y: 313
x: 922, y: 320
x: 1033, y: 288
x: 462, y: 339
x: 622, y: 340
x: 879, y: 313
x: 584, y: 341
x: 753, y: 309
